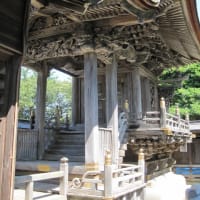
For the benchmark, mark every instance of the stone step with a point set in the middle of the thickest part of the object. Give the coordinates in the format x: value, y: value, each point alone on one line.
x: 70, y: 141
x: 71, y: 132
x: 70, y: 152
x: 57, y: 157
x: 63, y: 136
x: 67, y: 146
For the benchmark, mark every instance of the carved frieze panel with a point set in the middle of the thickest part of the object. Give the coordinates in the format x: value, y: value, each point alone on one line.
x: 140, y: 44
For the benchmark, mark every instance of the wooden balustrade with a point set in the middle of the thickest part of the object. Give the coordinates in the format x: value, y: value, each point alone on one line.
x: 105, y: 142
x: 117, y: 181
x: 27, y: 143
x: 112, y: 183
x: 30, y: 179
x: 166, y: 121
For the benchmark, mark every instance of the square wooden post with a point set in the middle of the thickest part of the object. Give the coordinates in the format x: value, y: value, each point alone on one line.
x: 112, y: 107
x: 64, y: 181
x: 8, y: 126
x: 91, y: 112
x: 147, y: 91
x: 40, y: 107
x: 137, y: 96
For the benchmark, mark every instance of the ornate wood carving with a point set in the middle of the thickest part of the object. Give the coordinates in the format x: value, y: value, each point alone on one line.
x: 119, y: 29
x: 138, y: 44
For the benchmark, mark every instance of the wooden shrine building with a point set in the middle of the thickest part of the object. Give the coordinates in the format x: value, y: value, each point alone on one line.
x: 114, y: 50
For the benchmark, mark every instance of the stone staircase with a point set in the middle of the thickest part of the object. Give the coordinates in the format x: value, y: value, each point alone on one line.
x: 68, y: 144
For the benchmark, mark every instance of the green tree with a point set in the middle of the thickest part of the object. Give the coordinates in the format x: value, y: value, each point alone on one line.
x: 58, y: 94
x: 27, y: 95
x: 187, y: 95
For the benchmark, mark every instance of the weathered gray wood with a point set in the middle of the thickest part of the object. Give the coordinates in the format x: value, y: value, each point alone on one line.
x: 64, y: 180
x: 156, y: 104
x: 141, y: 163
x: 147, y: 95
x: 27, y: 141
x: 74, y: 100
x: 91, y: 111
x: 29, y: 180
x: 112, y: 107
x: 40, y: 107
x: 162, y: 113
x: 39, y: 177
x: 29, y: 191
x: 8, y: 133
x: 137, y: 97
x: 108, y: 177
x: 82, y: 101
x: 105, y: 142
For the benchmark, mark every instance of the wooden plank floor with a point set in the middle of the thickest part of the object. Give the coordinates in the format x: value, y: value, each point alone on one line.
x: 19, y: 194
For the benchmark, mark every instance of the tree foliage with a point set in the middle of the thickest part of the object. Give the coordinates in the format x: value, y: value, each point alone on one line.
x: 188, y: 95
x: 27, y: 95
x: 58, y: 94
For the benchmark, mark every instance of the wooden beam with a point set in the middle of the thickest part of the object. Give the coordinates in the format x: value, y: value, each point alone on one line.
x: 91, y: 112
x: 125, y: 20
x: 112, y: 107
x: 69, y: 5
x: 53, y: 31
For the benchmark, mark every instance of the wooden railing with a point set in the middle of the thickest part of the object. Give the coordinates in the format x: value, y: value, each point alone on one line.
x: 111, y: 183
x: 30, y: 179
x: 105, y: 142
x: 127, y: 176
x: 27, y: 142
x: 106, y: 137
x: 172, y: 123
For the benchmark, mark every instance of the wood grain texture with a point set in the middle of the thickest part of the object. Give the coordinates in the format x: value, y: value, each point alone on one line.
x: 91, y: 109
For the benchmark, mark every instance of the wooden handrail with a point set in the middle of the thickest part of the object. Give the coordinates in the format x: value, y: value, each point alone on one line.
x: 30, y: 179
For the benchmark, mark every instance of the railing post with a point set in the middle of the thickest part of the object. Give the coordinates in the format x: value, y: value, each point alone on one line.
x: 64, y: 179
x: 162, y: 113
x: 187, y: 118
x: 108, y: 182
x: 178, y: 115
x: 29, y: 191
x: 141, y: 163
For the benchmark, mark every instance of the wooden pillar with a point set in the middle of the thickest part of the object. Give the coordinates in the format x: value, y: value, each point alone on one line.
x: 91, y: 112
x: 112, y: 107
x: 74, y: 100
x: 147, y: 94
x: 40, y: 107
x: 8, y: 125
x: 156, y: 98
x: 137, y: 96
x: 162, y: 113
